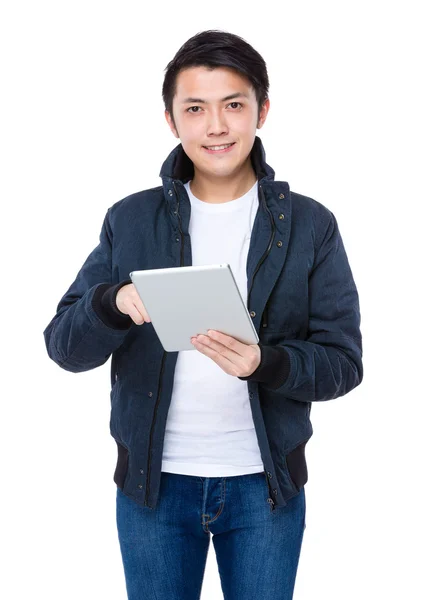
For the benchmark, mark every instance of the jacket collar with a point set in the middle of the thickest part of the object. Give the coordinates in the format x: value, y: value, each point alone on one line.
x: 178, y: 165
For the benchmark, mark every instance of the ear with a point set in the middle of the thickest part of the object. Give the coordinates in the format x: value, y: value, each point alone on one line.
x: 170, y: 122
x: 263, y: 113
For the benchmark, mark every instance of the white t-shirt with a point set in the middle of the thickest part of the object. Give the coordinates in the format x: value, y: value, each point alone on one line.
x: 210, y: 430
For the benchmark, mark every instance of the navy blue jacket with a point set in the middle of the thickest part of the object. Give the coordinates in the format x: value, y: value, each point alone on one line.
x: 301, y: 296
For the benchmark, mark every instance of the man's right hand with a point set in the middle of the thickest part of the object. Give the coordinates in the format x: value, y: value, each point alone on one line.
x: 129, y: 303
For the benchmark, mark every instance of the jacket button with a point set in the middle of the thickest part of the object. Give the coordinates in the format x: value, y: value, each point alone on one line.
x: 177, y: 239
x: 170, y: 193
x: 279, y: 244
x: 274, y: 492
x: 281, y: 196
x: 269, y: 475
x: 141, y: 470
x: 252, y: 313
x: 281, y: 216
x: 150, y: 394
x: 140, y: 486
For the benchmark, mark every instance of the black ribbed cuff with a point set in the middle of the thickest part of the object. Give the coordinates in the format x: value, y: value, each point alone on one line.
x: 274, y: 367
x: 104, y: 304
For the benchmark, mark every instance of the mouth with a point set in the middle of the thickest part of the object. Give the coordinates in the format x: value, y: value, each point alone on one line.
x: 221, y: 149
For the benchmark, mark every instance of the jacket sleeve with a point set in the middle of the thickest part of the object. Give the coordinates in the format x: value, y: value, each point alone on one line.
x: 87, y: 326
x: 328, y: 364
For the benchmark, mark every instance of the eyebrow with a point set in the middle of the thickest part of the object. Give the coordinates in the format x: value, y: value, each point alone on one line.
x: 201, y: 101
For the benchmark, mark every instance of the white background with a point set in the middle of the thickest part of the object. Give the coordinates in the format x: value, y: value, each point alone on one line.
x: 83, y: 126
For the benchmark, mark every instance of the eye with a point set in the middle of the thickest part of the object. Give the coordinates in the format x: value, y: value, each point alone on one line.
x: 194, y: 113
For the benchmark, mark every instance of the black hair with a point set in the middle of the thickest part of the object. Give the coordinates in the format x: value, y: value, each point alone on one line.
x: 212, y: 49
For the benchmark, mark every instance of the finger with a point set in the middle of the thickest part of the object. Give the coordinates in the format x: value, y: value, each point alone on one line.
x: 220, y: 359
x: 141, y: 308
x: 228, y: 341
x: 208, y: 342
x: 216, y: 349
x: 136, y: 315
x: 137, y: 301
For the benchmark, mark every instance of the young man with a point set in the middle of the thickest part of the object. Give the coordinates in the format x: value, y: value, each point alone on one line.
x: 213, y: 440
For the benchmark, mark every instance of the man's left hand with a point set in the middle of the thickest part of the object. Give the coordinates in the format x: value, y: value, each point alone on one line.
x: 232, y: 356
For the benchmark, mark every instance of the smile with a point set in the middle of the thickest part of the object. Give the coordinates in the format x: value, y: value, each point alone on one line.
x: 219, y: 149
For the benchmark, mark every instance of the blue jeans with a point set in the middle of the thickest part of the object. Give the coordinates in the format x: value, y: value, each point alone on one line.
x: 164, y: 550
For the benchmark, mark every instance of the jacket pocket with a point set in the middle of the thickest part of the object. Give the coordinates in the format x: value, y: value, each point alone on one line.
x: 113, y: 392
x: 113, y: 410
x: 265, y: 316
x: 122, y: 465
x: 297, y: 466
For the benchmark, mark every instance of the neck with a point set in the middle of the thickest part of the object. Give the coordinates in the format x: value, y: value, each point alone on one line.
x: 216, y: 190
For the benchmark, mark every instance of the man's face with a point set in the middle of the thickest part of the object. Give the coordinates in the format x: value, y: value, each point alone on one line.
x: 215, y: 121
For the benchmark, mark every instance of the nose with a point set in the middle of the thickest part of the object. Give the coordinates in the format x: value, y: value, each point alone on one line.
x: 217, y: 124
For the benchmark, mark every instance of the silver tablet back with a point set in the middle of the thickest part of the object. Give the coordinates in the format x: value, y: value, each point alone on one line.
x: 185, y: 301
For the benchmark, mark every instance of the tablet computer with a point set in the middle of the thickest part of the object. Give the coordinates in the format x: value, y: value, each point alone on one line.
x: 185, y: 301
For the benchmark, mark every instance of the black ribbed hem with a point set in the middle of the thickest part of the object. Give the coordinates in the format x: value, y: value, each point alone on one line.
x: 274, y: 367
x: 104, y: 305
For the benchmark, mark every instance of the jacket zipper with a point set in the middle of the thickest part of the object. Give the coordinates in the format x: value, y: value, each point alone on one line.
x: 265, y: 312
x: 264, y: 255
